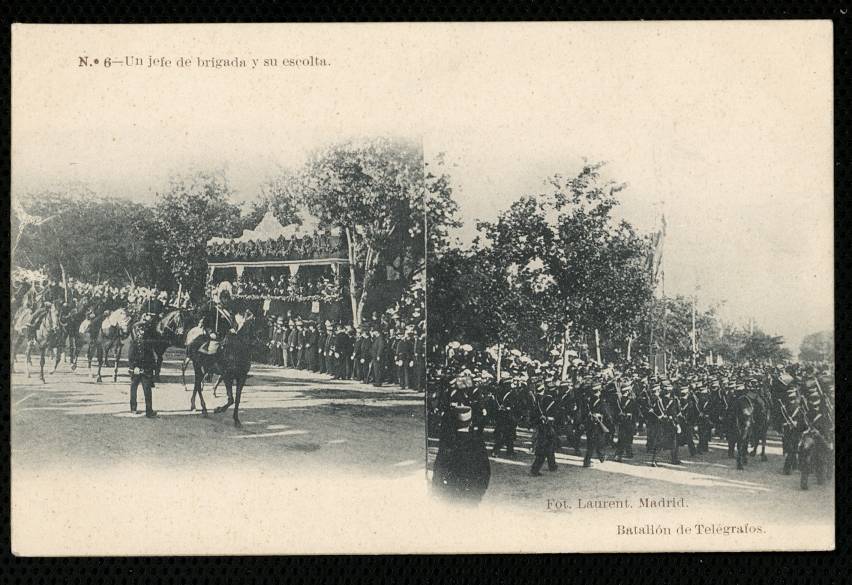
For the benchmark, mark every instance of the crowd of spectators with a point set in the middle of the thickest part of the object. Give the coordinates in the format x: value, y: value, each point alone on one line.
x: 320, y: 245
x: 288, y: 288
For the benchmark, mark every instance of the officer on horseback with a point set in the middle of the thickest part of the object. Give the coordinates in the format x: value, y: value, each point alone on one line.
x: 50, y: 293
x: 217, y: 318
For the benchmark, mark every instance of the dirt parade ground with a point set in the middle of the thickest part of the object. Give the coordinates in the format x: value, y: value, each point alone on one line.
x: 310, y: 449
x: 703, y: 504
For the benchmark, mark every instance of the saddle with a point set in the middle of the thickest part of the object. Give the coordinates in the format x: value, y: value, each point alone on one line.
x: 199, y: 337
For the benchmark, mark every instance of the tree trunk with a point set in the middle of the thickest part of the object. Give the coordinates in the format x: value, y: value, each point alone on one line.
x: 598, y: 346
x: 353, y: 281
x: 629, y: 345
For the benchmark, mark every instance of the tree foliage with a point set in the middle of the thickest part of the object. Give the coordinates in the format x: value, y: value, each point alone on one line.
x: 91, y: 237
x: 817, y: 347
x: 188, y: 213
x: 572, y: 261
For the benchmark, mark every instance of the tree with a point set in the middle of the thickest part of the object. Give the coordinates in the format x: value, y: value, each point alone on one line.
x: 373, y: 190
x: 571, y: 260
x: 90, y: 237
x: 280, y: 194
x: 817, y: 347
x: 191, y: 211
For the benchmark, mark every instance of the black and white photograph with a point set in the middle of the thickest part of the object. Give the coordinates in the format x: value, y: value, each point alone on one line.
x: 631, y: 342
x: 481, y: 287
x: 218, y: 295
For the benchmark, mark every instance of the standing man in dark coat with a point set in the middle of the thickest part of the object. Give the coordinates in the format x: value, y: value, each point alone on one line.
x: 292, y: 341
x: 357, y: 356
x: 301, y: 341
x: 343, y: 348
x: 330, y: 349
x: 311, y: 340
x: 546, y: 441
x: 405, y: 358
x: 322, y: 337
x: 377, y: 353
x: 502, y: 405
x: 462, y: 470
x: 142, y: 362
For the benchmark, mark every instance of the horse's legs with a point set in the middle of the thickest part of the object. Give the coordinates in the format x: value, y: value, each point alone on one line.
x: 27, y: 359
x: 117, y: 358
x: 196, y: 383
x: 732, y: 442
x: 742, y: 448
x: 240, y: 381
x: 56, y: 362
x: 763, y: 444
x: 41, y: 363
x: 216, y: 385
x: 228, y: 386
x: 101, y: 354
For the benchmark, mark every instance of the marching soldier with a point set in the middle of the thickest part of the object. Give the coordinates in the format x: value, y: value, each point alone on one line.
x: 546, y: 441
x: 502, y: 404
x: 627, y: 415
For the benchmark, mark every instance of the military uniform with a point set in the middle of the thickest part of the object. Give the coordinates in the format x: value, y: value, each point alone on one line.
x: 377, y: 353
x: 404, y: 361
x: 142, y: 363
x: 627, y: 415
x: 546, y: 441
x: 502, y: 404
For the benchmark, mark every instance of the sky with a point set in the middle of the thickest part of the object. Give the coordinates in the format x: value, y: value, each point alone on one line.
x: 725, y: 127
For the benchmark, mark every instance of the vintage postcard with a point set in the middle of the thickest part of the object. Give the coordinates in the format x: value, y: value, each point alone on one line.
x: 421, y: 287
x: 631, y: 322
x: 218, y: 290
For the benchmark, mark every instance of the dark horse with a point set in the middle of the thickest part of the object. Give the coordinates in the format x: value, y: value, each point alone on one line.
x: 741, y: 421
x: 232, y: 362
x: 171, y: 332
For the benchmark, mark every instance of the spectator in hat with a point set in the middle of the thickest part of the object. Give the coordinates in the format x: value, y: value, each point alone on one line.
x: 343, y: 350
x: 405, y: 358
x: 359, y: 354
x: 292, y: 344
x: 330, y: 360
x: 462, y: 470
x: 311, y: 340
x: 377, y: 352
x: 322, y: 337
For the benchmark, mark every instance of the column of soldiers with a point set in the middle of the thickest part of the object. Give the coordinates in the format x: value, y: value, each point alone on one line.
x: 595, y: 410
x: 374, y: 353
